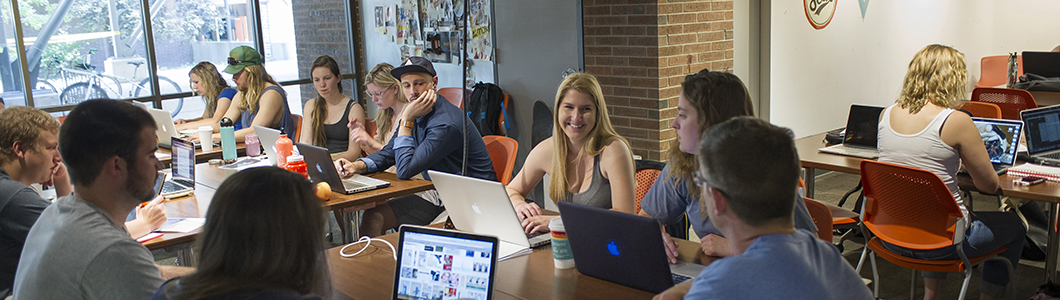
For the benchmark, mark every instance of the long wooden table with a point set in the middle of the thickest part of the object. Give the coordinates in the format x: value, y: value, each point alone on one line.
x: 1048, y: 192
x: 166, y: 155
x: 371, y: 275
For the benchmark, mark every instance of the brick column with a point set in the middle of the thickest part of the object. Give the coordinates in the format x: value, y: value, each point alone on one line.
x: 641, y: 50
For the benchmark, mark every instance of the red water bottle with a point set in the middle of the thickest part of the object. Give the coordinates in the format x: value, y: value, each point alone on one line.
x: 284, y: 148
x: 295, y: 163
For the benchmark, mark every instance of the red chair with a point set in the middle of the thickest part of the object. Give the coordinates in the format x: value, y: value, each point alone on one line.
x: 369, y: 126
x: 455, y: 95
x: 822, y: 217
x: 645, y: 175
x: 502, y: 151
x: 982, y: 109
x: 912, y: 208
x: 993, y: 70
x: 297, y: 128
x: 1011, y: 101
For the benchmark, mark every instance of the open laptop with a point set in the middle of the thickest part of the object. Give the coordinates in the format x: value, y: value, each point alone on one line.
x: 1001, y: 138
x: 1043, y: 132
x: 268, y: 137
x: 860, y: 137
x: 436, y: 263
x: 622, y: 248
x: 182, y: 177
x: 321, y: 168
x: 166, y: 128
x: 1045, y: 64
x: 483, y: 206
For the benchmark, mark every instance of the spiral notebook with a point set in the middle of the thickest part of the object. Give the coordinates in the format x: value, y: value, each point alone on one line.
x: 1047, y: 172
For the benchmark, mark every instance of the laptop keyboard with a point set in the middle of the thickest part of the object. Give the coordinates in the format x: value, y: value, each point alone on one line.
x: 859, y: 152
x: 1054, y: 155
x: 175, y: 185
x: 678, y: 278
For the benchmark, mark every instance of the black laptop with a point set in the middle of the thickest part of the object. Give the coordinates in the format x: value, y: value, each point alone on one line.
x: 436, y: 263
x: 859, y: 139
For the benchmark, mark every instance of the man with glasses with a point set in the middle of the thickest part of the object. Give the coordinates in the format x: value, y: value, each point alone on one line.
x: 748, y: 170
x: 430, y: 136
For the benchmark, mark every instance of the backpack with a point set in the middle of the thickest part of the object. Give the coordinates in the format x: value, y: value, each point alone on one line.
x: 486, y: 108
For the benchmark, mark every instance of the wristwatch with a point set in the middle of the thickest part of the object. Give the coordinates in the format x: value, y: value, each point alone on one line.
x: 406, y: 124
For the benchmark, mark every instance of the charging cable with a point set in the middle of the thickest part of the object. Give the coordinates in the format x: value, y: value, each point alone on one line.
x: 367, y: 243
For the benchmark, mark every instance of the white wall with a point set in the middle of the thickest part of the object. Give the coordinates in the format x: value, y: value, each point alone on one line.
x: 816, y: 74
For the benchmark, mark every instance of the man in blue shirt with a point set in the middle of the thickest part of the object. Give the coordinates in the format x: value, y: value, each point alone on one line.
x: 430, y: 136
x: 748, y: 170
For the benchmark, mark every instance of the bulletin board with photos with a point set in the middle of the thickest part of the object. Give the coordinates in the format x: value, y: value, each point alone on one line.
x: 433, y: 28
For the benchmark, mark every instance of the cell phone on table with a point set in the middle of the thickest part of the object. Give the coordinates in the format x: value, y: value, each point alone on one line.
x: 1029, y: 180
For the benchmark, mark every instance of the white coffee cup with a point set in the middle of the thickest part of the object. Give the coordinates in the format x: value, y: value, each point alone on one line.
x: 561, y: 252
x: 206, y: 138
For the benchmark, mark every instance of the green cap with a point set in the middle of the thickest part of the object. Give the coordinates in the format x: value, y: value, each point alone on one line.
x: 241, y: 57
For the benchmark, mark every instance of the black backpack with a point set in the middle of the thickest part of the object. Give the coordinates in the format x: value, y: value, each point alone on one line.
x: 486, y: 107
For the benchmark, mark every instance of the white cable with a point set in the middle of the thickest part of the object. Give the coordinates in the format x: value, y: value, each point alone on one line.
x: 368, y: 242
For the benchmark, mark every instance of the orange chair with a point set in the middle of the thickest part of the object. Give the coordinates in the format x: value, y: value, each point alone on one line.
x: 61, y: 119
x: 297, y: 128
x: 647, y: 172
x: 455, y: 95
x: 822, y: 217
x: 842, y: 219
x: 369, y: 126
x: 502, y: 151
x: 993, y: 70
x: 1011, y: 101
x: 912, y: 208
x: 982, y: 109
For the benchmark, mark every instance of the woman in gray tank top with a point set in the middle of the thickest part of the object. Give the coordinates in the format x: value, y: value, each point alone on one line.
x: 327, y: 115
x: 587, y: 161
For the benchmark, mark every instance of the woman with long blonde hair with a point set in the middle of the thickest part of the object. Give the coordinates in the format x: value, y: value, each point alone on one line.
x: 587, y: 161
x: 260, y: 100
x: 385, y: 92
x: 206, y: 81
x: 330, y: 112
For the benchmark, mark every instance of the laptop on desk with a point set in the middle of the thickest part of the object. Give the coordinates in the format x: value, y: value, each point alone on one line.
x: 166, y: 129
x: 444, y: 264
x: 483, y: 206
x: 1043, y: 132
x: 859, y: 139
x: 622, y: 248
x: 321, y: 168
x: 268, y: 137
x: 1001, y: 138
x: 1045, y: 64
x: 182, y: 177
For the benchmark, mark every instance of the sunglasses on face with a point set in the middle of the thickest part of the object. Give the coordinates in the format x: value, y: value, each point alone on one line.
x: 232, y: 61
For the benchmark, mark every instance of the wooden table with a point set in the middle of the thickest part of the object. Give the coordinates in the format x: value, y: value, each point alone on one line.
x: 166, y: 155
x: 371, y: 275
x: 1048, y: 192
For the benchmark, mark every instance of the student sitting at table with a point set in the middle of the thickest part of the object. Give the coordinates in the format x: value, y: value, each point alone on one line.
x: 385, y: 91
x: 588, y: 162
x: 748, y: 171
x: 921, y: 131
x: 79, y: 248
x: 260, y: 100
x: 29, y: 156
x: 330, y: 112
x: 707, y: 98
x: 429, y: 137
x: 261, y: 241
x: 206, y: 81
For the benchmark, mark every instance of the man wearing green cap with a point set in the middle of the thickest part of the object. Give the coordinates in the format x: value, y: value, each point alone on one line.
x: 260, y: 100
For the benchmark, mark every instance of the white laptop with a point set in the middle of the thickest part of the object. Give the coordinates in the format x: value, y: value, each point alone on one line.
x: 166, y: 129
x: 182, y: 177
x: 444, y: 264
x: 859, y: 138
x: 268, y: 137
x: 483, y: 206
x: 321, y: 168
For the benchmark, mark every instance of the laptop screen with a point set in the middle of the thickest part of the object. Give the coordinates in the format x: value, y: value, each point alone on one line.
x: 862, y: 124
x: 1043, y: 129
x: 183, y: 159
x: 444, y: 264
x: 1001, y: 138
x: 1045, y: 64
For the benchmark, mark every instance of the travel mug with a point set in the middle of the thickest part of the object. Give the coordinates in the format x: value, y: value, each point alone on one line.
x: 228, y: 140
x: 561, y: 253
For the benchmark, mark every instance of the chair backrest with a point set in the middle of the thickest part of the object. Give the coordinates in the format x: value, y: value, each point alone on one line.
x: 1011, y: 101
x: 455, y: 95
x: 982, y: 109
x: 993, y: 70
x: 908, y: 207
x: 822, y: 217
x: 369, y: 127
x: 647, y: 172
x: 502, y: 151
x: 297, y: 127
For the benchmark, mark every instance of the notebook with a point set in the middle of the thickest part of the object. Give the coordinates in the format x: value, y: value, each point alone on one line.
x: 622, y: 248
x: 1001, y: 138
x: 182, y: 177
x: 268, y: 137
x: 1045, y: 64
x: 483, y: 206
x: 859, y: 139
x: 444, y: 264
x: 321, y: 168
x: 1043, y: 132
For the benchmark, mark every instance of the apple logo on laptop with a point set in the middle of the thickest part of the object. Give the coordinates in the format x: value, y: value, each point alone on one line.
x: 320, y: 170
x: 474, y: 206
x: 612, y: 248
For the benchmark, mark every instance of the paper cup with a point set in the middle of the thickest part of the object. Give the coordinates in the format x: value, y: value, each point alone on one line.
x: 561, y: 253
x: 206, y: 138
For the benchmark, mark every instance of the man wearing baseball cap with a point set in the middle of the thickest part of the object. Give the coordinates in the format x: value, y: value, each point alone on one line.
x: 429, y: 137
x: 260, y: 99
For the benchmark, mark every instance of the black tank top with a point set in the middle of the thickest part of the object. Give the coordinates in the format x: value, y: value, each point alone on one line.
x: 338, y: 136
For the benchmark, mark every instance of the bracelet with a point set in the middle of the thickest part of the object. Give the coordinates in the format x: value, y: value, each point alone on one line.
x: 406, y: 124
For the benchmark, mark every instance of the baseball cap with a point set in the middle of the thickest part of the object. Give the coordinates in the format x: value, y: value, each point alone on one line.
x: 242, y: 56
x: 414, y: 64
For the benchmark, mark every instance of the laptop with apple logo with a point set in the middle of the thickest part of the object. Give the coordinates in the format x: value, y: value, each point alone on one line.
x: 622, y: 248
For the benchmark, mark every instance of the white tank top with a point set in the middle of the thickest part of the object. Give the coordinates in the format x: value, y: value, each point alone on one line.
x: 922, y: 150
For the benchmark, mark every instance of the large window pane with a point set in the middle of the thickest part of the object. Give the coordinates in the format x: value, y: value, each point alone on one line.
x: 10, y: 76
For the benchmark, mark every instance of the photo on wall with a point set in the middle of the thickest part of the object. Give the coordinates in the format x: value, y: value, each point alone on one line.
x: 437, y: 49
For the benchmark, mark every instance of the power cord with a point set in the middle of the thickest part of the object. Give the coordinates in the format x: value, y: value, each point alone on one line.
x: 367, y: 242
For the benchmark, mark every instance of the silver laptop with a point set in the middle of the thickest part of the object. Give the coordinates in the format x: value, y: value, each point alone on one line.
x: 859, y: 139
x: 1043, y: 133
x: 182, y: 177
x: 166, y: 129
x: 321, y: 168
x: 483, y: 206
x: 267, y: 137
x: 1001, y: 138
x: 444, y: 264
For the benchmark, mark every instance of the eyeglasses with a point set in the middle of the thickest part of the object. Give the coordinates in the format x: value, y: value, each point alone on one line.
x: 232, y: 61
x: 379, y: 94
x: 703, y: 183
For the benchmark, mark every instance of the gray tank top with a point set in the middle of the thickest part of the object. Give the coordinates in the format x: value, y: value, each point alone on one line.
x: 338, y: 136
x: 599, y: 192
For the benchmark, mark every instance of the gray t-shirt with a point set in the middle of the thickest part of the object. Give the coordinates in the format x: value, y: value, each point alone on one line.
x: 75, y: 251
x: 19, y: 208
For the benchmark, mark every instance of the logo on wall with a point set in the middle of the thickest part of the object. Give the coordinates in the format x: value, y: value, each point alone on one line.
x: 819, y: 12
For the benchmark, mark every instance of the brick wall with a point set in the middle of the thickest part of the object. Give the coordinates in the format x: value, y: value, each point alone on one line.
x: 320, y: 29
x: 640, y: 52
